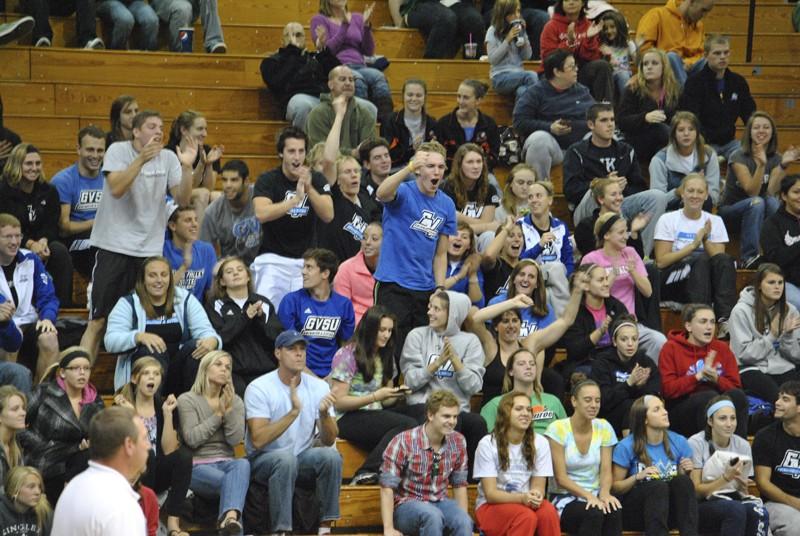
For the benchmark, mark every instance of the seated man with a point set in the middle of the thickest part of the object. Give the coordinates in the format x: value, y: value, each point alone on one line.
x: 326, y: 319
x: 602, y: 156
x: 677, y: 29
x: 298, y: 76
x: 377, y: 164
x: 177, y: 14
x: 718, y: 97
x: 192, y: 260
x: 413, y: 503
x: 358, y: 124
x: 775, y: 460
x: 551, y: 115
x: 84, y: 11
x: 28, y: 286
x: 80, y: 188
x: 229, y: 223
x: 284, y: 409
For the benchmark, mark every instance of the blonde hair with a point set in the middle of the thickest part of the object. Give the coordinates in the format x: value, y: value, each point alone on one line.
x: 672, y: 90
x: 14, y: 482
x: 14, y: 452
x: 509, y: 201
x: 200, y: 385
x: 12, y: 172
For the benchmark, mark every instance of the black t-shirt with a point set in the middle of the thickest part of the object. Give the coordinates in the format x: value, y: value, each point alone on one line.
x: 343, y: 235
x: 9, y: 274
x: 474, y: 206
x: 293, y: 233
x: 496, y: 278
x: 774, y: 448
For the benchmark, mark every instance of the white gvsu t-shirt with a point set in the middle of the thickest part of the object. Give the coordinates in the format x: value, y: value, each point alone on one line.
x: 675, y: 227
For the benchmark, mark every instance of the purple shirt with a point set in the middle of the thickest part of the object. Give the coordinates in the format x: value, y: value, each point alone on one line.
x: 350, y: 42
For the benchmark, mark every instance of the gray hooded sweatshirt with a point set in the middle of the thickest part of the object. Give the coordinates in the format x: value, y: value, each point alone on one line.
x: 424, y: 345
x: 761, y: 351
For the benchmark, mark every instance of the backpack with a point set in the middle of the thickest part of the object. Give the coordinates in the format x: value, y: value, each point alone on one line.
x: 509, y: 153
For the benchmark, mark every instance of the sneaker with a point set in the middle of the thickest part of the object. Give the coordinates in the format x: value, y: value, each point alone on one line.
x: 14, y: 31
x: 364, y: 479
x: 219, y: 48
x: 95, y: 44
x: 43, y: 42
x: 722, y: 330
x: 752, y: 263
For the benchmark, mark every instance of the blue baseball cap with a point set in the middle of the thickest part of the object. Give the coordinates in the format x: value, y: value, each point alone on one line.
x: 288, y: 338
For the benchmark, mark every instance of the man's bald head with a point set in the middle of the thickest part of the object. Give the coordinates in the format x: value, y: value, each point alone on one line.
x: 341, y: 82
x: 294, y: 34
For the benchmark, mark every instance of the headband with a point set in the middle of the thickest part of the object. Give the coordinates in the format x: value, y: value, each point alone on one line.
x: 607, y: 225
x: 75, y: 354
x: 648, y: 398
x: 716, y: 406
x: 622, y: 325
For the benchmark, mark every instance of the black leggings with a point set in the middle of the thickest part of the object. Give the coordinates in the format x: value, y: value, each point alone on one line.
x: 687, y: 415
x: 372, y: 430
x: 657, y: 505
x: 765, y: 386
x: 702, y: 279
x: 173, y: 472
x: 578, y: 521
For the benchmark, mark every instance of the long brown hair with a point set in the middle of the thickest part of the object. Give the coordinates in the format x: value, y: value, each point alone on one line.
x: 509, y: 201
x: 508, y: 379
x: 456, y: 180
x: 218, y: 290
x: 539, y: 297
x: 500, y: 433
x: 117, y: 107
x: 364, y: 343
x: 747, y: 142
x: 128, y: 391
x: 637, y: 419
x: 502, y: 9
x: 14, y: 452
x: 763, y: 317
x: 144, y: 297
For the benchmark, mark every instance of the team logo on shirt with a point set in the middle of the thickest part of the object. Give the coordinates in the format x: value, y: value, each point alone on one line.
x: 472, y: 210
x: 541, y: 413
x: 621, y: 376
x: 667, y: 470
x: 526, y: 328
x: 443, y: 372
x: 321, y: 327
x: 790, y: 465
x: 300, y: 210
x: 356, y: 227
x: 428, y: 224
x: 190, y: 278
x: 88, y: 200
x: 610, y: 163
x: 699, y: 365
x: 247, y: 233
x: 790, y: 240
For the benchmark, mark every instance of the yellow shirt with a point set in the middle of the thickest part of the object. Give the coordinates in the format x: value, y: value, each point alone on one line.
x: 665, y: 28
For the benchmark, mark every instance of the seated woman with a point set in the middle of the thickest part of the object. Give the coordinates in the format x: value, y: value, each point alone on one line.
x: 581, y: 446
x: 13, y: 408
x: 24, y: 508
x: 26, y: 194
x: 361, y: 380
x: 588, y: 336
x: 212, y: 424
x: 247, y: 322
x: 754, y: 177
x: 624, y: 373
x: 192, y: 125
x: 56, y: 439
x: 500, y: 257
x: 513, y: 464
x: 474, y: 196
x: 521, y: 376
x: 548, y: 242
x: 723, y: 463
x: 507, y: 45
x: 123, y: 109
x: 354, y: 279
x: 161, y: 320
x: 686, y: 154
x: 627, y: 273
x: 695, y: 367
x: 445, y: 27
x: 607, y: 193
x: 571, y: 29
x: 515, y: 193
x: 648, y: 104
x: 651, y: 473
x: 463, y: 273
x: 526, y: 278
x: 349, y: 36
x: 169, y: 465
x: 442, y: 356
x: 690, y: 252
x: 410, y: 126
x: 765, y: 334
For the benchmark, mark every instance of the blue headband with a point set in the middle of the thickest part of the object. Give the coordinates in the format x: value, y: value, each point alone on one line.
x: 716, y: 406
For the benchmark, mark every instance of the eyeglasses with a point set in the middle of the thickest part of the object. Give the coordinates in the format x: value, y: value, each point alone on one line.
x: 437, y: 457
x: 79, y: 368
x: 573, y: 67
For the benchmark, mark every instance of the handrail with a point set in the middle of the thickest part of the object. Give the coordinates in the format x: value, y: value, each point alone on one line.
x: 751, y: 18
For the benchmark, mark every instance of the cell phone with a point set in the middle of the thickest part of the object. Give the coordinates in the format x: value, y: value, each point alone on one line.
x: 734, y: 461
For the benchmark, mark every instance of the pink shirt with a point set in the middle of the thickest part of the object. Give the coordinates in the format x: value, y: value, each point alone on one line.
x: 354, y: 281
x: 623, y: 287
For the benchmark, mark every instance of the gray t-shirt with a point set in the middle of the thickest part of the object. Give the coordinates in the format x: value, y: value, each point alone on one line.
x: 134, y: 223
x: 701, y: 451
x: 237, y: 233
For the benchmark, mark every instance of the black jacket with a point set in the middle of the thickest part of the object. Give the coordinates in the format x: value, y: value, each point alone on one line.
x: 611, y: 374
x: 632, y: 109
x: 292, y: 70
x: 450, y: 134
x: 586, y: 241
x: 584, y: 162
x: 718, y: 114
x: 780, y: 243
x: 38, y: 211
x: 396, y: 133
x: 576, y: 339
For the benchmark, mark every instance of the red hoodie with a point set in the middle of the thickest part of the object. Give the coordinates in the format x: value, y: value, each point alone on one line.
x: 554, y: 36
x: 680, y: 360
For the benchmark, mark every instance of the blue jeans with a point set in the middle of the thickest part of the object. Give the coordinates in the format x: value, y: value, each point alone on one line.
x: 17, y: 375
x: 750, y: 213
x: 121, y: 17
x: 300, y: 106
x: 514, y: 82
x: 182, y: 13
x: 621, y: 80
x: 728, y: 149
x: 370, y: 82
x: 318, y: 467
x: 735, y: 518
x: 792, y: 294
x: 227, y: 480
x: 432, y: 518
x: 681, y: 73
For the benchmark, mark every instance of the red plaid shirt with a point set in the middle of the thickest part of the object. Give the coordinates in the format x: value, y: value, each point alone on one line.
x: 410, y: 469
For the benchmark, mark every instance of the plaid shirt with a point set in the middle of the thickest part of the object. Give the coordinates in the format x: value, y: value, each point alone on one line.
x: 410, y: 467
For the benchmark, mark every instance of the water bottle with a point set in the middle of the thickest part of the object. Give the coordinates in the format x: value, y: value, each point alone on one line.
x: 520, y: 40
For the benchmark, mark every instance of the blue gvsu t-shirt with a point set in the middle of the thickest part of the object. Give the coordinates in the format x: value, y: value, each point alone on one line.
x: 197, y: 278
x: 412, y: 224
x: 82, y: 194
x: 529, y: 321
x: 667, y: 466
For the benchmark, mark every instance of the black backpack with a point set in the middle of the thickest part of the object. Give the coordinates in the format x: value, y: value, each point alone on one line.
x: 509, y: 154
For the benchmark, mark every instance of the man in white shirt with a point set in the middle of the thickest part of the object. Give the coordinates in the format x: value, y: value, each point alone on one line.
x: 100, y: 500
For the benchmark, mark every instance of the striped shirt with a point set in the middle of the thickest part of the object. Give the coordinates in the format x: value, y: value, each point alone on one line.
x: 417, y: 473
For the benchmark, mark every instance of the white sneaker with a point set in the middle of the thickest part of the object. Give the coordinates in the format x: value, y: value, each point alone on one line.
x: 43, y: 42
x: 16, y: 30
x: 95, y: 44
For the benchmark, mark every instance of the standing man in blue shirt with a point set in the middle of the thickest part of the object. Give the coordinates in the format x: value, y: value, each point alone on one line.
x: 326, y: 319
x: 417, y: 219
x: 192, y: 260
